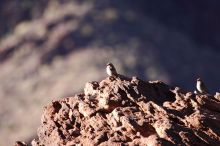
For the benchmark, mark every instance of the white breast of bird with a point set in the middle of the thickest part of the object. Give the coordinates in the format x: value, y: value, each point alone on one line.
x: 109, y: 71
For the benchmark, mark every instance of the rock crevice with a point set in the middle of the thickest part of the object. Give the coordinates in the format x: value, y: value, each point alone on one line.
x: 129, y: 111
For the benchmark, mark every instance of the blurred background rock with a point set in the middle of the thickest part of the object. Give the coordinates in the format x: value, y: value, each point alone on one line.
x: 51, y: 48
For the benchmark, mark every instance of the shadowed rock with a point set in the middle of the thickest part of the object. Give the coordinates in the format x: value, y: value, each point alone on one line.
x: 130, y: 111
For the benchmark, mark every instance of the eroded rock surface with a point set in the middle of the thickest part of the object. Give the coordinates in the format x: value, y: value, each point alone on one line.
x: 129, y: 111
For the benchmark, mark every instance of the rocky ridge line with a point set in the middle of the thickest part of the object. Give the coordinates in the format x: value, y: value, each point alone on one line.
x: 129, y: 111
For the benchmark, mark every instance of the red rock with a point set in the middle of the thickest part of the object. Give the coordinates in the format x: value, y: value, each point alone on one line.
x: 127, y: 111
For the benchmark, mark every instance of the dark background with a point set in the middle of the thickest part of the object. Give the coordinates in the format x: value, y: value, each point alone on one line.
x: 50, y: 49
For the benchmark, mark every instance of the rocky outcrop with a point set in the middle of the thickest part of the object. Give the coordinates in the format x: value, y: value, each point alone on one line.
x: 129, y: 111
x: 42, y: 43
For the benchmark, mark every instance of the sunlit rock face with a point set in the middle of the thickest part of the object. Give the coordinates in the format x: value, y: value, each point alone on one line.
x: 130, y: 111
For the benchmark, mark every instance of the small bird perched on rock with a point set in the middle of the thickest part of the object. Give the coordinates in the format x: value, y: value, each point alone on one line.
x: 200, y: 86
x: 111, y: 71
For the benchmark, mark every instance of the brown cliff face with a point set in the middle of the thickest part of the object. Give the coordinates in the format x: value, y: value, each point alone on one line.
x: 127, y: 111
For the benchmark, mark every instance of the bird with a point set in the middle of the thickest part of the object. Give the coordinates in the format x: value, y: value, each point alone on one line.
x: 110, y: 70
x: 200, y: 86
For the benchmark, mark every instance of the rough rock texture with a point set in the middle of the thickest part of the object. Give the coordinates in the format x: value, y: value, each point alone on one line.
x: 124, y: 111
x: 48, y: 48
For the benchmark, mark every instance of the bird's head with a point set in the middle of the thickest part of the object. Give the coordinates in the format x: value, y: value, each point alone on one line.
x: 109, y: 64
x: 199, y: 79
